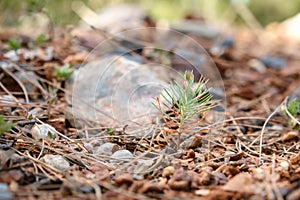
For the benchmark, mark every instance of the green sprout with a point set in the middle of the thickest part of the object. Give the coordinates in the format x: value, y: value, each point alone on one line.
x: 184, y: 102
x: 291, y: 111
x: 64, y: 72
x: 40, y: 39
x: 14, y: 44
x: 110, y: 131
x: 5, y: 126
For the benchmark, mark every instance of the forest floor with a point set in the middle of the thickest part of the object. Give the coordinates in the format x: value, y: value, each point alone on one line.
x: 255, y: 154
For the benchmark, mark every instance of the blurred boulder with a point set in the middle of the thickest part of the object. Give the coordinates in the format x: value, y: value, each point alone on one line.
x: 113, y: 18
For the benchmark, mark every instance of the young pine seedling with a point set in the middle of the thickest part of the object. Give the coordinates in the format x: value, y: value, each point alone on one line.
x: 180, y: 103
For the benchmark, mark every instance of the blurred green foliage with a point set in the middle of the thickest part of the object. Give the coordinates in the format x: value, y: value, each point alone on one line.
x: 61, y: 12
x: 5, y: 126
x: 273, y: 10
x: 64, y: 72
x: 291, y: 111
x: 14, y: 44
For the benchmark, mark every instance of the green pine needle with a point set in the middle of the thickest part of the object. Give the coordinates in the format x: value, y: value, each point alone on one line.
x: 185, y: 100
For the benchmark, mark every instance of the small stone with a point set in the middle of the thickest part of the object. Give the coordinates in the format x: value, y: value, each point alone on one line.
x: 56, y: 161
x: 124, y: 179
x: 259, y: 174
x: 106, y: 149
x: 88, y: 146
x: 228, y: 170
x: 199, y: 29
x: 242, y: 179
x: 179, y: 185
x: 142, y: 166
x: 222, y: 47
x: 273, y: 62
x: 195, y: 142
x: 195, y: 179
x: 3, y: 187
x: 163, y: 181
x: 284, y: 165
x: 168, y: 171
x: 180, y: 180
x: 13, y: 186
x: 257, y: 65
x: 116, y: 18
x: 86, y: 189
x: 236, y: 156
x: 151, y: 187
x: 37, y: 113
x: 122, y: 154
x: 189, y: 154
x: 205, y: 178
x: 202, y: 192
x: 42, y: 131
x: 219, y: 178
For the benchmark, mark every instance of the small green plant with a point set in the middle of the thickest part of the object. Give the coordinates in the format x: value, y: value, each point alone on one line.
x: 180, y: 103
x: 5, y: 126
x: 14, y: 44
x: 40, y: 39
x: 64, y: 72
x: 110, y: 131
x: 291, y: 110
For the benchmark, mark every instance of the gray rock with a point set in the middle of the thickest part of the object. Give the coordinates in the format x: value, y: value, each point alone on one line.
x: 114, y: 91
x: 122, y: 154
x: 5, y: 194
x: 197, y: 28
x: 114, y: 18
x: 56, y: 161
x: 107, y: 148
x: 42, y: 131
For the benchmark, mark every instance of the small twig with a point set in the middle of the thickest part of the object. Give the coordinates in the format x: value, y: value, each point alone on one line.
x: 65, y: 137
x: 229, y: 120
x: 263, y: 129
x: 237, y: 127
x: 43, y: 146
x: 9, y: 93
x: 35, y: 83
x: 38, y: 161
x: 19, y: 82
x: 293, y: 146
